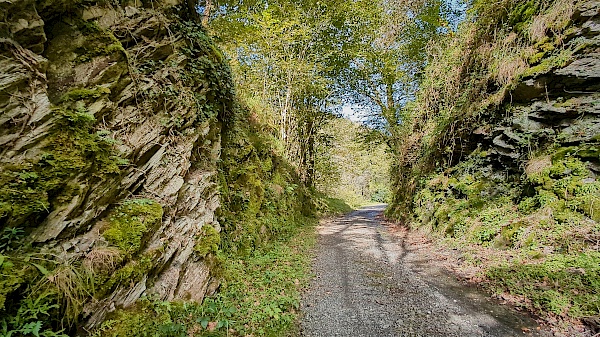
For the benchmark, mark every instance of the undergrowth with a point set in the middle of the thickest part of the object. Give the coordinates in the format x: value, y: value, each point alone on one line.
x: 563, y: 285
x: 546, y: 219
x: 475, y: 170
x: 260, y: 296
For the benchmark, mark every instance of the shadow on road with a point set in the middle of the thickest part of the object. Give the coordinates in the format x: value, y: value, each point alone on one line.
x: 364, y: 286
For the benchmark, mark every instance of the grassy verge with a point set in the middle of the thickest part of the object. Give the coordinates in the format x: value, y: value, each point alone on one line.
x: 561, y: 285
x: 260, y: 296
x: 328, y: 206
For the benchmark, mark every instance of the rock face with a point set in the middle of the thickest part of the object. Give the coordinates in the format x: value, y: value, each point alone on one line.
x: 557, y: 105
x: 507, y: 159
x: 110, y: 113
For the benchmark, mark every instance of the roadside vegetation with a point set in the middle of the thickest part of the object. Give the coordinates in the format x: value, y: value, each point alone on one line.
x: 487, y: 164
x: 352, y: 167
x: 259, y: 295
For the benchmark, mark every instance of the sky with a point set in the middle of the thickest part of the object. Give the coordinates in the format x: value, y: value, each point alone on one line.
x: 351, y: 112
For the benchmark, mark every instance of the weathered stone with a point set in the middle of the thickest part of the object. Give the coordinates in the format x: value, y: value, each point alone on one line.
x: 581, y: 130
x: 587, y: 9
x: 586, y: 68
x: 533, y: 88
x: 131, y: 11
x: 88, y: 68
x: 498, y: 141
x: 196, y: 273
x: 591, y: 27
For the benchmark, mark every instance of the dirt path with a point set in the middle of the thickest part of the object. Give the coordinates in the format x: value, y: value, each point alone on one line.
x: 364, y: 286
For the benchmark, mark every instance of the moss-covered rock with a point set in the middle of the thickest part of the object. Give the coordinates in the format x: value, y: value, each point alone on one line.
x: 207, y: 242
x: 128, y: 223
x: 110, y: 132
x: 506, y: 158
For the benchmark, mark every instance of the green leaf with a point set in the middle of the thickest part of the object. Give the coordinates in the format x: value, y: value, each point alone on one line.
x: 32, y: 328
x: 41, y: 268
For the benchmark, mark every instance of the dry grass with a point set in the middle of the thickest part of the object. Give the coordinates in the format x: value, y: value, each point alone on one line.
x: 538, y: 28
x: 438, y: 180
x: 537, y: 165
x: 409, y: 148
x: 510, y: 55
x: 554, y: 19
x: 72, y: 285
x: 509, y: 69
x: 102, y: 259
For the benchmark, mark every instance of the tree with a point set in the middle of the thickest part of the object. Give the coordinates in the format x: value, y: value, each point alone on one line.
x: 385, y: 70
x: 349, y: 168
x: 295, y: 61
x: 286, y: 56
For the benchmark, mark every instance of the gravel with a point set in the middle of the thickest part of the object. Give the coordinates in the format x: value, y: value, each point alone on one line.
x: 363, y: 287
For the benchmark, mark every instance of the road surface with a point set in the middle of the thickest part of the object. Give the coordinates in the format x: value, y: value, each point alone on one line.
x: 364, y: 287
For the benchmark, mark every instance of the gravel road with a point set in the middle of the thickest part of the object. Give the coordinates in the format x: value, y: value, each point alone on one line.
x: 364, y: 287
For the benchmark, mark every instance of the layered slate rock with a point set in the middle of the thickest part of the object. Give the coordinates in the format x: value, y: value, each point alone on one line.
x: 112, y: 113
x: 555, y: 105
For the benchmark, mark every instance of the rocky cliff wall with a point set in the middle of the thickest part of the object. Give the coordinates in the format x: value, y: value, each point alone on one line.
x: 503, y: 152
x: 555, y: 102
x: 110, y: 123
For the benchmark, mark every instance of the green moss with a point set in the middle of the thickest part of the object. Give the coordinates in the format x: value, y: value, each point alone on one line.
x: 545, y: 216
x: 99, y: 42
x: 128, y: 223
x: 555, y: 61
x: 84, y: 93
x: 134, y: 271
x: 491, y: 221
x: 539, y: 69
x: 590, y: 152
x: 587, y: 200
x: 563, y: 187
x: 547, y: 47
x: 528, y: 205
x: 12, y: 278
x: 208, y: 241
x: 262, y: 196
x: 560, y: 284
x: 331, y: 206
x: 32, y: 188
x: 522, y: 14
x: 259, y: 296
x: 87, y: 54
x: 89, y: 27
x: 267, y: 164
x: 536, y: 58
x: 457, y: 223
x: 509, y: 234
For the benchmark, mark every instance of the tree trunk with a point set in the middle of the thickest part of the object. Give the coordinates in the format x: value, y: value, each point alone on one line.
x: 206, y: 15
x: 310, y: 169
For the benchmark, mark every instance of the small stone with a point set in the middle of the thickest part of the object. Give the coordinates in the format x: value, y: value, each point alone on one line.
x: 131, y: 11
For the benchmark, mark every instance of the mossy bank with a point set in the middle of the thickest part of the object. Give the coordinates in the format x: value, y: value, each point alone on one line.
x: 503, y: 153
